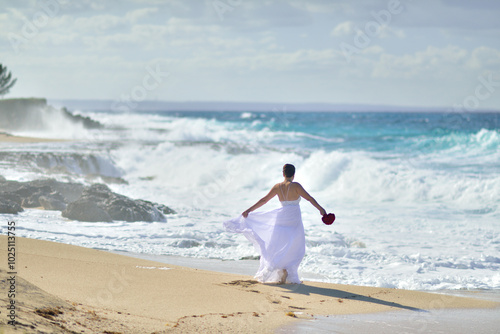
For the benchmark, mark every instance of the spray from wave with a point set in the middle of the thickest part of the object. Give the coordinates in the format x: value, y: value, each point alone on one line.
x: 34, y: 117
x: 402, y: 186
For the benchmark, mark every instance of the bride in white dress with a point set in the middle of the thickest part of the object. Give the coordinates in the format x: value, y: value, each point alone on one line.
x: 278, y: 235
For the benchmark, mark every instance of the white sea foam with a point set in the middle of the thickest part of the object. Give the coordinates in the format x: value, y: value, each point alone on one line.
x: 422, y: 217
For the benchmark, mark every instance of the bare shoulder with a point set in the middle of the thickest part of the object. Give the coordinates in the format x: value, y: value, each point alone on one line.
x: 300, y: 190
x: 297, y: 185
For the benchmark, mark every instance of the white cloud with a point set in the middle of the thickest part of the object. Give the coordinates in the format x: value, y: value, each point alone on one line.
x: 484, y: 58
x: 387, y: 32
x: 373, y: 50
x: 438, y: 63
x: 103, y: 23
x: 349, y: 28
x: 139, y: 14
x: 429, y: 45
x: 179, y: 26
x: 344, y: 28
x: 299, y: 60
x: 320, y: 6
x: 99, y: 23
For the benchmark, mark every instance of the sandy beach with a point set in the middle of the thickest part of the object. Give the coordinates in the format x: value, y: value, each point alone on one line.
x: 285, y: 167
x: 8, y: 138
x: 62, y: 288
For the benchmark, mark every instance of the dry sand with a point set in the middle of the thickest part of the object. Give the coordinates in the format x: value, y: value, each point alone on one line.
x: 102, y: 292
x: 7, y: 138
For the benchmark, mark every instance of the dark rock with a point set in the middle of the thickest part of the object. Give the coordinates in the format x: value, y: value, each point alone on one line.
x: 27, y: 194
x: 52, y: 203
x: 250, y: 257
x: 110, y: 179
x: 163, y: 208
x: 69, y: 191
x: 94, y: 203
x: 122, y: 208
x: 87, y: 122
x: 98, y: 192
x: 186, y: 243
x: 86, y: 210
x: 11, y: 197
x: 10, y: 186
x: 116, y: 206
x: 30, y: 195
x: 8, y: 206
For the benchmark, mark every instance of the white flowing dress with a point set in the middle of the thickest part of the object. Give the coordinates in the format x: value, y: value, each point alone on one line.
x: 278, y: 236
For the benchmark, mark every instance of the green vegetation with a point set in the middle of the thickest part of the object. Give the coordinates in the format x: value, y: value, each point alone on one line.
x: 6, y: 81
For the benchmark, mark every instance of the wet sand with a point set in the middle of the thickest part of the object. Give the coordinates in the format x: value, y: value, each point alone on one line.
x: 98, y: 291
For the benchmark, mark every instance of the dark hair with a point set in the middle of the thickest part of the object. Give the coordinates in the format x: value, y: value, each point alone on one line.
x: 289, y: 170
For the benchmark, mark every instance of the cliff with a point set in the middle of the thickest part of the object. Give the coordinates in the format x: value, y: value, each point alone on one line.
x: 36, y: 114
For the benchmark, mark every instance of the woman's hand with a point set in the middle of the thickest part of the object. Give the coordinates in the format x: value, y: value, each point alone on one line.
x: 322, y: 212
x: 245, y: 213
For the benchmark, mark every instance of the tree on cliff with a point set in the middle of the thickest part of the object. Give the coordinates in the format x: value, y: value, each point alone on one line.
x: 6, y: 81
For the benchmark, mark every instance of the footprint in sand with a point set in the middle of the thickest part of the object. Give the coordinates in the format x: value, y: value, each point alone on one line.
x: 242, y: 283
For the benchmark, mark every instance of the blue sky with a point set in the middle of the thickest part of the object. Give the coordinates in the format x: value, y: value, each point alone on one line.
x: 428, y: 53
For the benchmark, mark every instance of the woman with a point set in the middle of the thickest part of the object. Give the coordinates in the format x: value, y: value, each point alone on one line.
x: 278, y: 235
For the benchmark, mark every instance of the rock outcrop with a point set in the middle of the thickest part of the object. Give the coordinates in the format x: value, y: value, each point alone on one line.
x: 36, y: 114
x: 99, y: 203
x: 54, y: 194
x: 92, y: 204
x: 52, y: 203
x: 7, y: 205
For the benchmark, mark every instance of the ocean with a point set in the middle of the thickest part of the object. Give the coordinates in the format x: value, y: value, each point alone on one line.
x: 416, y: 195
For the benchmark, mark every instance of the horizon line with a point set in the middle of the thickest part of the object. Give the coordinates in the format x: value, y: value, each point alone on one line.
x: 224, y: 106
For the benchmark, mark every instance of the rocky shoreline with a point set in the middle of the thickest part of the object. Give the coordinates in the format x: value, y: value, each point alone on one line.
x: 94, y: 203
x: 35, y: 113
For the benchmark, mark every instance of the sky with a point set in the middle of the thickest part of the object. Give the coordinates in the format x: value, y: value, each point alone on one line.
x: 419, y: 53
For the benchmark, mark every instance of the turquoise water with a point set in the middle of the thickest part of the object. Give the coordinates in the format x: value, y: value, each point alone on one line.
x: 416, y: 195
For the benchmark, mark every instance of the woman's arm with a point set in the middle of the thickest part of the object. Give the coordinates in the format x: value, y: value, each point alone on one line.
x: 261, y: 201
x: 302, y: 192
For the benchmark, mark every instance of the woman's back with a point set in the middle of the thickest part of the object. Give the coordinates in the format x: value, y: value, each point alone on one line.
x: 288, y: 191
x: 278, y: 235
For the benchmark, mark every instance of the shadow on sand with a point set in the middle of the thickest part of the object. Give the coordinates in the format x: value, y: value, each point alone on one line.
x: 305, y: 289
